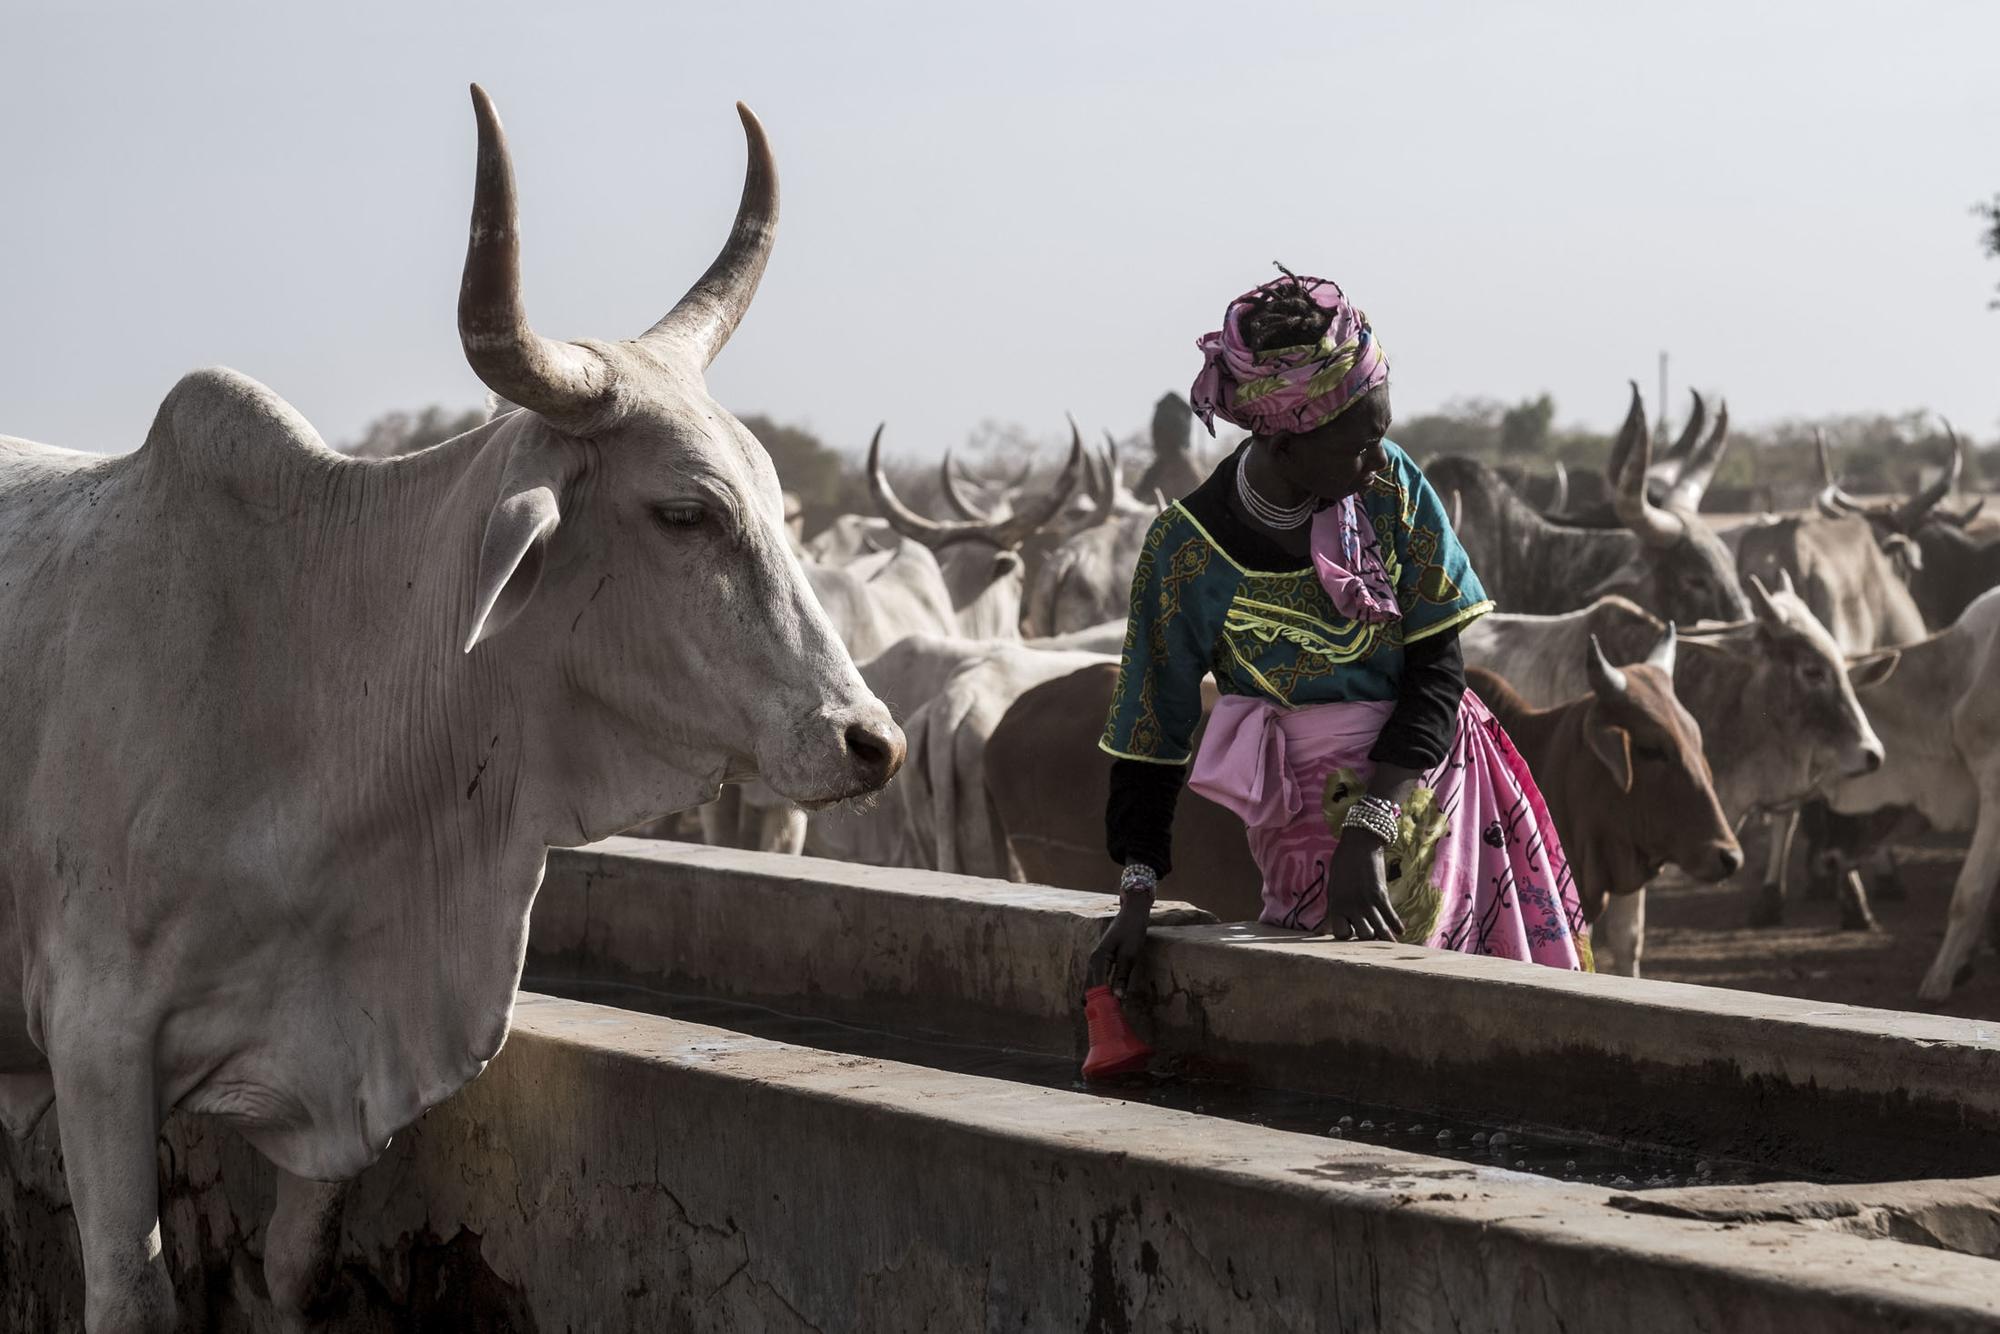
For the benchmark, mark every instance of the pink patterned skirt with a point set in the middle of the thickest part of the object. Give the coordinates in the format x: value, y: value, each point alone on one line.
x: 1478, y: 867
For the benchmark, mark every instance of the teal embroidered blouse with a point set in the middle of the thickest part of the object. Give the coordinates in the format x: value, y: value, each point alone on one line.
x: 1276, y: 633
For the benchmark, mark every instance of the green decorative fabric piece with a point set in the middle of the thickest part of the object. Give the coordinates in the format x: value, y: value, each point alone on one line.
x: 1409, y: 859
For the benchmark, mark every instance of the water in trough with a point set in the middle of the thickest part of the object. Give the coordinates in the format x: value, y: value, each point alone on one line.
x: 1567, y: 1157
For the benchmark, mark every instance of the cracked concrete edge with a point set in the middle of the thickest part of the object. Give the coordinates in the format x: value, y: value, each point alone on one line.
x: 1961, y: 1216
x: 1851, y: 1281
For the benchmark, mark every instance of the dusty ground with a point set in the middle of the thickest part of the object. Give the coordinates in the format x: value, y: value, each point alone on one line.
x: 1696, y: 933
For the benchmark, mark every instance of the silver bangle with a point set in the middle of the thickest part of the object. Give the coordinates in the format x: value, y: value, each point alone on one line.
x: 1138, y: 881
x: 1374, y: 815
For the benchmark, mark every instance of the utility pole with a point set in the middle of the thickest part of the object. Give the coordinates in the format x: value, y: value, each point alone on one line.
x: 1660, y: 404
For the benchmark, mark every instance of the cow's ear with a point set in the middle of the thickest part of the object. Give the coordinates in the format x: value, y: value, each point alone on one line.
x: 517, y: 535
x: 1872, y: 669
x: 1612, y: 745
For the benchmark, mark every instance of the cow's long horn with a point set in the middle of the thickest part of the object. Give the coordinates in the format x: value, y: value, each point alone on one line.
x: 1698, y: 470
x: 1683, y: 448
x: 1007, y: 533
x: 1655, y: 527
x: 559, y: 380
x: 1104, y: 481
x: 1665, y: 651
x: 1919, y: 507
x: 1606, y: 681
x: 901, y: 517
x: 1831, y: 500
x: 1024, y: 523
x: 1765, y: 604
x: 701, y: 321
x: 948, y: 482
x: 1559, y: 503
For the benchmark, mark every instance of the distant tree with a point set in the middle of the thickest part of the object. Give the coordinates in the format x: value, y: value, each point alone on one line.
x: 1524, y: 428
x: 1001, y: 447
x: 1989, y: 218
x: 1469, y: 426
x: 395, y: 433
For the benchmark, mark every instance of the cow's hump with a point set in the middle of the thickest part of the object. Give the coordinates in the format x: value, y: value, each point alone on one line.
x: 221, y: 427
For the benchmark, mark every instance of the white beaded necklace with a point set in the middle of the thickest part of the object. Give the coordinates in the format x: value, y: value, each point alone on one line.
x: 1262, y: 510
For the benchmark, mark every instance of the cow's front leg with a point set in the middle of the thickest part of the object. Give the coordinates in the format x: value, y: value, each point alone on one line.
x: 301, y: 1244
x: 108, y: 1119
x: 1769, y: 907
x: 1971, y: 898
x: 1618, y: 936
x: 1855, y: 915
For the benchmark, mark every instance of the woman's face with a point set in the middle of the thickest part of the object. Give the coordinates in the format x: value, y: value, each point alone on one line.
x: 1338, y: 458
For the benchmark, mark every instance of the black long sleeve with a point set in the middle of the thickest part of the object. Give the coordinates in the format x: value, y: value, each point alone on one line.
x: 1139, y: 816
x: 1424, y: 724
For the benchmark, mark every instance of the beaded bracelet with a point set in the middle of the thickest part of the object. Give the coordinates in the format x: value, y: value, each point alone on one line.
x: 1374, y: 815
x: 1137, y: 882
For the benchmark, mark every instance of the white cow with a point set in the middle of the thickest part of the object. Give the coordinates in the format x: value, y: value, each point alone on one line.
x: 287, y: 735
x: 985, y: 562
x: 1940, y: 718
x: 949, y: 694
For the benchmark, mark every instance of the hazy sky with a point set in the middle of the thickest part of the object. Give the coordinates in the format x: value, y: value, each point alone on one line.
x: 1012, y: 210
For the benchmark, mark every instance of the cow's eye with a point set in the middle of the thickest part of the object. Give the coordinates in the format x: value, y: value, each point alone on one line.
x: 1651, y: 754
x: 680, y: 513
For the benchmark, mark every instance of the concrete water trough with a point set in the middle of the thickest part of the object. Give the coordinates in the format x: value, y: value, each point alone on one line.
x: 619, y: 1170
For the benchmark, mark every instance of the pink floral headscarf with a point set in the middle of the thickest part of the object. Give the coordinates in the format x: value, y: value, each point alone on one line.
x: 1294, y: 389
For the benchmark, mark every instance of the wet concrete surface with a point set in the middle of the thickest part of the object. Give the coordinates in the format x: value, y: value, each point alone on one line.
x: 1580, y: 1158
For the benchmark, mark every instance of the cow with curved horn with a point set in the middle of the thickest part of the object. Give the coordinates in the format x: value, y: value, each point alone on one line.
x: 1663, y: 556
x: 1697, y: 468
x: 982, y: 559
x: 278, y: 807
x: 1664, y: 470
x: 1947, y: 564
x: 1000, y: 495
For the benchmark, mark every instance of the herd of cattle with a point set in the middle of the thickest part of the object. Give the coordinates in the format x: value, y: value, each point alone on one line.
x: 1825, y: 662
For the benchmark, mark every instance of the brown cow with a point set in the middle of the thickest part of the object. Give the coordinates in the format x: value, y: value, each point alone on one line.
x: 1049, y: 783
x: 1624, y: 775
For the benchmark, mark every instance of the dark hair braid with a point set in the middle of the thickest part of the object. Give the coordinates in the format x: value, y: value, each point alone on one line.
x: 1283, y: 314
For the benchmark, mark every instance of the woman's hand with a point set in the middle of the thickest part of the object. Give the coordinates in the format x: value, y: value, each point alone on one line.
x: 1357, y: 891
x: 1124, y: 941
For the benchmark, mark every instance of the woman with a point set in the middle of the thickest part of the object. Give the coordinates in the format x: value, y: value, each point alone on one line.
x: 1315, y: 574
